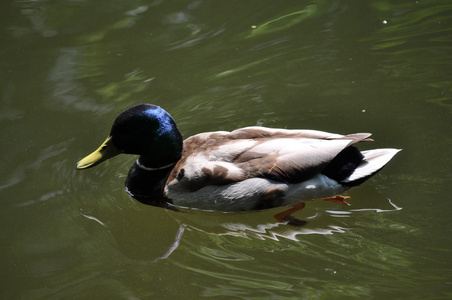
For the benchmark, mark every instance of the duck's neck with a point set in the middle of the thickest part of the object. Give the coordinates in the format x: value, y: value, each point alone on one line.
x: 146, y: 183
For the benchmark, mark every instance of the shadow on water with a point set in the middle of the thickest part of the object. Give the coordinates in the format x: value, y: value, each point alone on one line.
x: 226, y: 250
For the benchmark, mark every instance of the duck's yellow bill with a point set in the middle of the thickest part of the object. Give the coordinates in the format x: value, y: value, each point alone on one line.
x: 105, y: 151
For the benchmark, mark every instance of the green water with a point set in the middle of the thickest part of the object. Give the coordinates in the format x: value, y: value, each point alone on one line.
x: 69, y: 67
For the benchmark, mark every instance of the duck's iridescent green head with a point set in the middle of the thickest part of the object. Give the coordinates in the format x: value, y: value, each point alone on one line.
x: 146, y: 130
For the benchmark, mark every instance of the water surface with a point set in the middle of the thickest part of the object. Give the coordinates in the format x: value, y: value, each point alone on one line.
x: 69, y: 67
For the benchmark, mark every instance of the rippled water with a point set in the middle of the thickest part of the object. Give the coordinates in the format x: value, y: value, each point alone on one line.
x: 70, y: 67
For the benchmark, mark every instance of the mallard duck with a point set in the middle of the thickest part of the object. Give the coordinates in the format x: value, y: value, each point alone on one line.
x: 248, y: 169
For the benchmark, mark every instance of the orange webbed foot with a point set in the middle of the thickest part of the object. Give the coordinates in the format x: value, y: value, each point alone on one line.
x: 285, y: 216
x: 338, y: 199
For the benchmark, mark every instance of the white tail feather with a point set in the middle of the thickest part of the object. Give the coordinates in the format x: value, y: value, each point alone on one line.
x: 374, y: 160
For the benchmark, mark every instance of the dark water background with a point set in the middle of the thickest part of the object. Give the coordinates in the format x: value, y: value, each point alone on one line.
x: 69, y: 67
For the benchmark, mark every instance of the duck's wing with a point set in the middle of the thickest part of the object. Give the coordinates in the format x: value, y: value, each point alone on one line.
x: 301, y: 154
x: 292, y: 156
